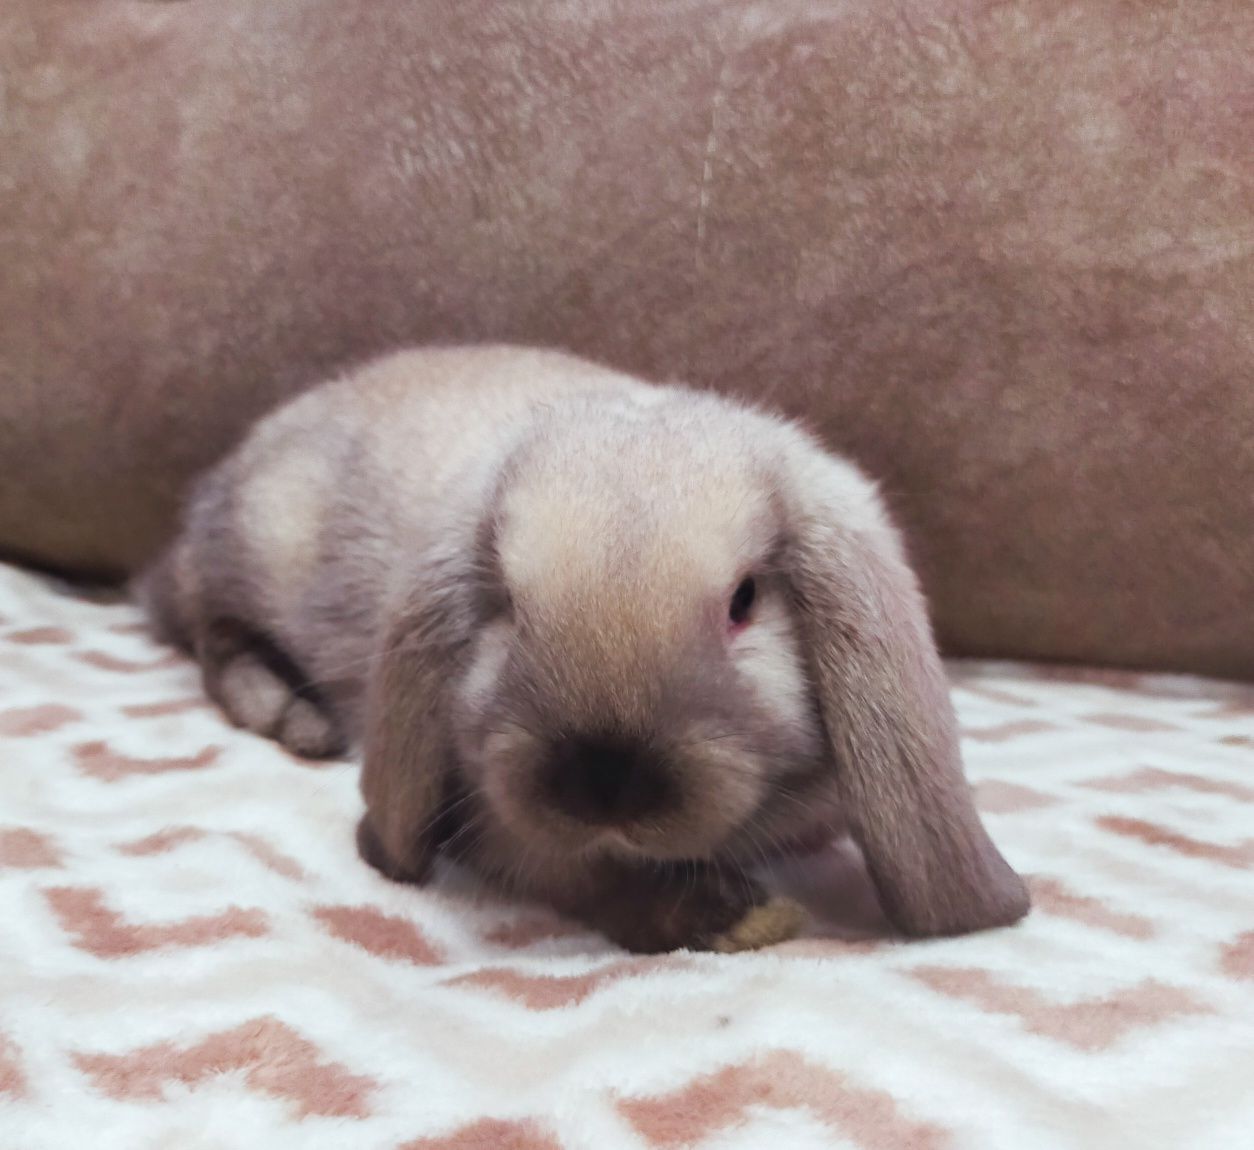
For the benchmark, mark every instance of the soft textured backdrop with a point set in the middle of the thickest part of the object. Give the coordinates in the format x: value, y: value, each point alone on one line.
x: 1001, y: 251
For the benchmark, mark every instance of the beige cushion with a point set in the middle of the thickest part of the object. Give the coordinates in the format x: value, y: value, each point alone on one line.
x: 1004, y: 261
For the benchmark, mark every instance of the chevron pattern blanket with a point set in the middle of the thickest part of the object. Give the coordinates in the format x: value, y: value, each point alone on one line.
x: 192, y: 957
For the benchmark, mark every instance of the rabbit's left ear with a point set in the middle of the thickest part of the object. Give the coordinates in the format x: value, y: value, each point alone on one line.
x: 885, y: 705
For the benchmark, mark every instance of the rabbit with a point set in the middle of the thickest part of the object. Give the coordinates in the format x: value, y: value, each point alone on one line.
x: 606, y: 642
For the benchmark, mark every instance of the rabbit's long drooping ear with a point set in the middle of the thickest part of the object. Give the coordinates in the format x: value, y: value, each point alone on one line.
x: 885, y: 705
x: 407, y: 748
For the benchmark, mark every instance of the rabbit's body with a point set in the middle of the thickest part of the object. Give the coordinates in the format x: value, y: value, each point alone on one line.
x: 303, y: 532
x: 509, y: 574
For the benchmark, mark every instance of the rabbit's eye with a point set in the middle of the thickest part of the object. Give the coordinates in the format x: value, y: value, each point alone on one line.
x: 742, y: 602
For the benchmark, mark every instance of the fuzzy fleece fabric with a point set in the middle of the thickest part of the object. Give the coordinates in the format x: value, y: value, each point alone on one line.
x: 192, y: 956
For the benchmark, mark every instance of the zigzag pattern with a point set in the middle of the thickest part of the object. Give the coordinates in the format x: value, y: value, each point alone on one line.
x: 190, y: 942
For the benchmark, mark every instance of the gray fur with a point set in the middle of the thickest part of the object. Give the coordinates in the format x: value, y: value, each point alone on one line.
x: 459, y: 558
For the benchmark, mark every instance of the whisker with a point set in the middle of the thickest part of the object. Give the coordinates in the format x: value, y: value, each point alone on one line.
x: 442, y: 812
x: 480, y: 828
x: 332, y: 674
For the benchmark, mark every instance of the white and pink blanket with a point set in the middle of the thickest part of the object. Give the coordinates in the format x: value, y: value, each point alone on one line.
x: 192, y: 957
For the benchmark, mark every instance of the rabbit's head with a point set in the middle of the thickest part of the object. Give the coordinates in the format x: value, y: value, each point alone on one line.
x: 669, y: 628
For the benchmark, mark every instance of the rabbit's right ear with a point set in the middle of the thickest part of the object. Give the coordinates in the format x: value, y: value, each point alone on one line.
x: 885, y: 705
x: 408, y: 746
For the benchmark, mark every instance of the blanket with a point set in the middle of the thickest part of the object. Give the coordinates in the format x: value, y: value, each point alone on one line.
x: 192, y: 956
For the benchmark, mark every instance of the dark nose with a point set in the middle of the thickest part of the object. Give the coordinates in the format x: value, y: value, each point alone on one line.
x: 606, y: 780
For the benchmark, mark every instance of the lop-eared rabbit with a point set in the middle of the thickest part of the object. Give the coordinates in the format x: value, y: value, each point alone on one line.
x: 606, y: 642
